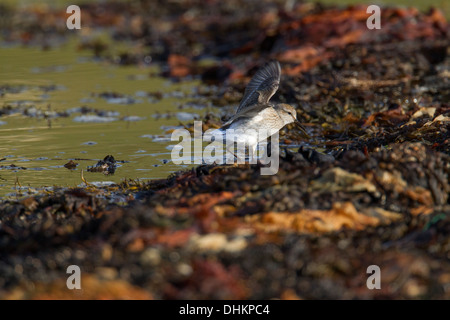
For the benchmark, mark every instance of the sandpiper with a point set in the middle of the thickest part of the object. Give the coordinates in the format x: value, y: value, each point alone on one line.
x: 255, y: 114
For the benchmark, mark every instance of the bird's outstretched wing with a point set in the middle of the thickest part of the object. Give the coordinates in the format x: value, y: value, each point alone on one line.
x: 248, y: 113
x: 263, y: 85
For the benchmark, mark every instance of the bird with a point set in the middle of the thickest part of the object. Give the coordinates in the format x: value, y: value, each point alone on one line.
x: 257, y: 118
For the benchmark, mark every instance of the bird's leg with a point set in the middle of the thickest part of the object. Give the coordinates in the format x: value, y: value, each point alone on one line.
x: 238, y: 159
x: 235, y: 163
x: 265, y: 157
x: 252, y: 154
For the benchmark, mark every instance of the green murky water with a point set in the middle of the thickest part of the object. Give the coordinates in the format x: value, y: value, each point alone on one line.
x: 63, y: 79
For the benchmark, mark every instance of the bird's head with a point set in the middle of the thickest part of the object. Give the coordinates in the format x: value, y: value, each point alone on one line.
x: 288, y: 114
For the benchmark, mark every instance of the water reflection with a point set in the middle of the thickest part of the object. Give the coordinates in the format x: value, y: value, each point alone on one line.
x: 55, y: 107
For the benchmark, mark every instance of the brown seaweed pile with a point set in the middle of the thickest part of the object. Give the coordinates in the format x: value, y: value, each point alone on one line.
x: 214, y: 232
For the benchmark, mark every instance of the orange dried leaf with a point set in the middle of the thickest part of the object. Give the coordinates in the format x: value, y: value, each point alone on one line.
x: 342, y: 215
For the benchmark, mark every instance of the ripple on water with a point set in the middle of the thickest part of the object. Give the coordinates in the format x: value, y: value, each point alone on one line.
x: 133, y: 118
x: 93, y: 119
x: 122, y: 100
x: 157, y: 138
x: 49, y: 69
x: 187, y: 116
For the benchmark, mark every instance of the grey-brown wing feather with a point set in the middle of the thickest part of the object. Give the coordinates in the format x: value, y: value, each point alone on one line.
x: 262, y: 87
x: 248, y: 113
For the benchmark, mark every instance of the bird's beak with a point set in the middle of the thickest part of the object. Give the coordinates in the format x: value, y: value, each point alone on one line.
x: 302, y: 128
